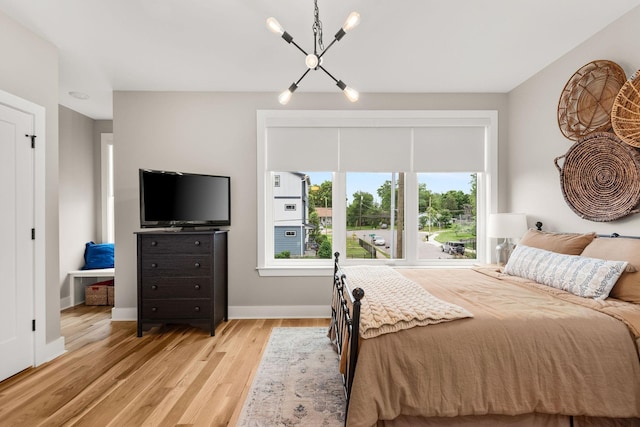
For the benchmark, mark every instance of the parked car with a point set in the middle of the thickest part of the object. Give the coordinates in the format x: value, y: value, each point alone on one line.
x: 378, y: 241
x: 453, y: 248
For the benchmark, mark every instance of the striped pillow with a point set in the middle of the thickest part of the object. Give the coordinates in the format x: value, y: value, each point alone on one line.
x: 582, y: 276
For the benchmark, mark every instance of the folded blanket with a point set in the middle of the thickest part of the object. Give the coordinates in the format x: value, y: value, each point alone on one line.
x: 392, y: 302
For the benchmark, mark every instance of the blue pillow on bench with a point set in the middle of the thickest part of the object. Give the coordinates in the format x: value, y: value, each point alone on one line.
x: 98, y: 255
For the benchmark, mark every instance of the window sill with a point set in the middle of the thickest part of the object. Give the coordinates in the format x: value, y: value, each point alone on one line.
x: 295, y: 271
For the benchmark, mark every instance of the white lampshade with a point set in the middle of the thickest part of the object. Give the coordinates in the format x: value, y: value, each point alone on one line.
x: 507, y: 225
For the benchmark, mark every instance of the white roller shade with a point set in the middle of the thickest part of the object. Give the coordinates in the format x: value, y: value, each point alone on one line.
x: 375, y: 149
x: 302, y: 149
x: 449, y: 149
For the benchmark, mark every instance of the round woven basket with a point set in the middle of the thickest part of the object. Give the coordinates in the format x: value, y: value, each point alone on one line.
x: 587, y: 99
x: 625, y: 115
x: 600, y: 177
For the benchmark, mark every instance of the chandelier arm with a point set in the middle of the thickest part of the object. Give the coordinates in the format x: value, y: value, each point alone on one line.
x: 303, y: 76
x: 301, y: 49
x: 328, y: 73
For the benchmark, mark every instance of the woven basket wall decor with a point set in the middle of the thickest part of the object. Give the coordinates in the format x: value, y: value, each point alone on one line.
x: 587, y: 99
x: 600, y: 177
x: 625, y: 115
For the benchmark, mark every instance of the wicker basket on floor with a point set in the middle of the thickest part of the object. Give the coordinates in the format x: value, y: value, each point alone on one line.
x: 625, y: 115
x: 600, y: 177
x: 587, y: 99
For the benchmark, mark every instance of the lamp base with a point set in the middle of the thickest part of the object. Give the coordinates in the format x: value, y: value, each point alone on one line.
x: 503, y: 252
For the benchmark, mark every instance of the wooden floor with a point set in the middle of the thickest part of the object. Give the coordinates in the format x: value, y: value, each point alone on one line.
x: 172, y: 376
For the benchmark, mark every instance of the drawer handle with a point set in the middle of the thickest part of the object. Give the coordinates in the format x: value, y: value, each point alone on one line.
x: 154, y: 265
x: 197, y: 265
x: 154, y: 287
x: 154, y: 309
x: 154, y: 243
x: 196, y: 308
x: 197, y: 242
x: 197, y: 287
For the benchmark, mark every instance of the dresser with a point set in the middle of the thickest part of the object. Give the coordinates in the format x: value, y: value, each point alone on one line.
x: 182, y: 278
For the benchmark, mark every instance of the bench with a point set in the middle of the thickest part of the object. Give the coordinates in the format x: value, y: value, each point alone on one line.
x: 79, y: 274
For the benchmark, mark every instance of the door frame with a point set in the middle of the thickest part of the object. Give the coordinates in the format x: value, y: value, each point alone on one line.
x: 39, y: 277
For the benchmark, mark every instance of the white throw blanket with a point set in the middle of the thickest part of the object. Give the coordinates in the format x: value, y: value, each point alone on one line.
x: 392, y: 302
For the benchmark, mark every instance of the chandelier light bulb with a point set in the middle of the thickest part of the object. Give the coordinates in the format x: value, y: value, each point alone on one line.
x: 352, y: 21
x: 286, y: 95
x: 311, y: 61
x: 351, y: 94
x: 274, y: 26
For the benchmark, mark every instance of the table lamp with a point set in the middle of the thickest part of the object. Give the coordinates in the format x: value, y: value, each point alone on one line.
x: 506, y: 226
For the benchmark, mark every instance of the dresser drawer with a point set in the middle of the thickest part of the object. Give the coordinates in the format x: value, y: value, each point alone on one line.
x: 177, y: 309
x: 176, y: 266
x: 175, y: 244
x: 163, y: 287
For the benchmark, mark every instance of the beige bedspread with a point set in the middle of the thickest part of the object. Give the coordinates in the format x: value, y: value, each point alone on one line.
x: 526, y: 350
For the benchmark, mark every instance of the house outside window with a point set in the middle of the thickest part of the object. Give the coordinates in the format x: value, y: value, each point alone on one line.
x: 288, y: 220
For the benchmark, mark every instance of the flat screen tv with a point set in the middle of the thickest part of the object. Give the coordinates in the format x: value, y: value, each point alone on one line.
x: 176, y: 199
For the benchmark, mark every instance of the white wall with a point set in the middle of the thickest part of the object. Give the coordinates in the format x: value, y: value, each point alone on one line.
x: 216, y: 133
x: 30, y: 71
x: 535, y: 139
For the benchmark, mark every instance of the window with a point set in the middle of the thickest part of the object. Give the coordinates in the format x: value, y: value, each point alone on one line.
x: 447, y: 226
x: 364, y: 183
x: 276, y: 180
x: 375, y: 215
x: 297, y: 212
x: 107, y: 199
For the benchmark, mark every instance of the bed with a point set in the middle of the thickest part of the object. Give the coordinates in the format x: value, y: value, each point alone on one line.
x: 508, y: 350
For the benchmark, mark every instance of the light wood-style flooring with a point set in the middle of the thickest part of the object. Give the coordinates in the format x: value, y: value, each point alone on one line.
x: 172, y: 376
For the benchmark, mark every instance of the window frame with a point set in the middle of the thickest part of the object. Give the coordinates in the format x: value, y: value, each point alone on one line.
x: 487, y: 192
x: 107, y: 199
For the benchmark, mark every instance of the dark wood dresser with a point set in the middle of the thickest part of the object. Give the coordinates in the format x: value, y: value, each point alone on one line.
x: 182, y: 278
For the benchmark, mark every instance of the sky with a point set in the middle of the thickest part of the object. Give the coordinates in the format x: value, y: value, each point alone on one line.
x: 370, y: 182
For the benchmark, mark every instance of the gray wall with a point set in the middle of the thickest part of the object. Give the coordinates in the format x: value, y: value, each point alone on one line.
x: 30, y: 70
x: 535, y: 139
x: 216, y: 133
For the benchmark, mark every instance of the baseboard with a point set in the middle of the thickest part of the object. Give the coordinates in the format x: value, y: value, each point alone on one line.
x: 279, y: 312
x: 52, y: 350
x: 65, y: 303
x: 128, y: 314
x: 125, y: 314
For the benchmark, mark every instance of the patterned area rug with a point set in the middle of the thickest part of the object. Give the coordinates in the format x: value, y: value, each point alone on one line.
x: 297, y: 382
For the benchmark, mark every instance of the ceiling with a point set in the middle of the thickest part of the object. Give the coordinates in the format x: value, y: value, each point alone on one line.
x: 223, y: 45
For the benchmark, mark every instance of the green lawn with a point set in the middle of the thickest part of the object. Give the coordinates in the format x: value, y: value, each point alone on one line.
x: 450, y: 235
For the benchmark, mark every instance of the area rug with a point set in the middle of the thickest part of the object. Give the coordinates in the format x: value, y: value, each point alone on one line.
x: 297, y: 382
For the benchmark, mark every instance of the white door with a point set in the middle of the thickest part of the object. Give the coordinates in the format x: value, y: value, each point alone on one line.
x: 17, y: 248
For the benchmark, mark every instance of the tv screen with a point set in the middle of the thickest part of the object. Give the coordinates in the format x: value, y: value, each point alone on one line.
x: 176, y: 199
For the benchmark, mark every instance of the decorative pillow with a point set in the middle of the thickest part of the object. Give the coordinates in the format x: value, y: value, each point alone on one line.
x: 627, y: 287
x: 582, y: 276
x: 98, y: 255
x: 562, y: 243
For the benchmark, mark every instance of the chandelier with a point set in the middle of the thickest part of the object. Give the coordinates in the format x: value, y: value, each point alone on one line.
x: 313, y: 61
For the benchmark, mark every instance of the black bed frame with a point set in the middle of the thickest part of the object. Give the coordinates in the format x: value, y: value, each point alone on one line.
x: 346, y: 323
